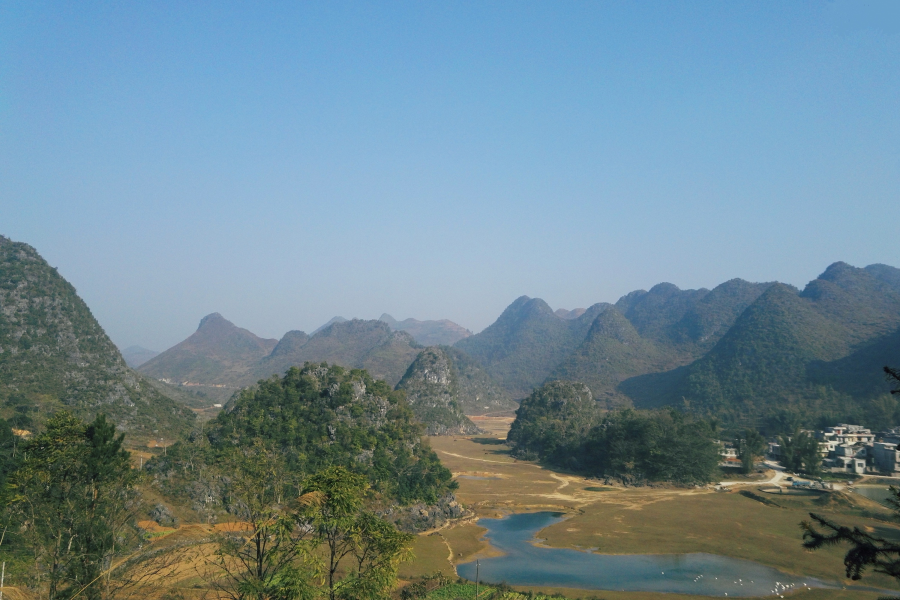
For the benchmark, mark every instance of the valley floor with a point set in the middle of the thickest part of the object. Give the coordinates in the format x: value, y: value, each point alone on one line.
x: 615, y: 520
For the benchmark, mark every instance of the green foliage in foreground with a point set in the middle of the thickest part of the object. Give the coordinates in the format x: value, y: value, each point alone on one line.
x: 314, y: 417
x: 560, y: 424
x: 466, y: 591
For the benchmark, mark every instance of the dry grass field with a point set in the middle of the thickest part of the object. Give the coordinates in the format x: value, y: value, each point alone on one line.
x: 617, y: 520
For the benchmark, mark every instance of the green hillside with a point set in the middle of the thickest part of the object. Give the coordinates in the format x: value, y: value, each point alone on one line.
x: 479, y: 394
x: 523, y: 346
x: 612, y: 352
x: 800, y: 358
x: 312, y: 418
x: 54, y: 354
x: 353, y: 344
x: 431, y: 385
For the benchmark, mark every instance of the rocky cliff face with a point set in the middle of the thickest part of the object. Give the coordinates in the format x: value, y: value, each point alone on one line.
x: 54, y: 354
x: 432, y: 391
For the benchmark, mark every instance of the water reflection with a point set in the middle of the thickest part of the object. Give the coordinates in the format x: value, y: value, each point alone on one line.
x: 525, y: 563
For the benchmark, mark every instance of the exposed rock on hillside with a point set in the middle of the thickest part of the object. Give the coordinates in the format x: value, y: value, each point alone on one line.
x: 432, y: 391
x: 54, y: 354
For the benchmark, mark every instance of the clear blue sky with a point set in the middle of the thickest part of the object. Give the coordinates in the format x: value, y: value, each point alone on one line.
x: 282, y: 164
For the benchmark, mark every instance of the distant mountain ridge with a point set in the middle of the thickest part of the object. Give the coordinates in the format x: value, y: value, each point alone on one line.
x: 135, y: 356
x: 429, y: 333
x: 224, y: 357
x: 741, y: 351
x: 55, y: 355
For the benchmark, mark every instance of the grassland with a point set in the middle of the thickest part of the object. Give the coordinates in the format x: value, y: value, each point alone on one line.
x: 616, y: 520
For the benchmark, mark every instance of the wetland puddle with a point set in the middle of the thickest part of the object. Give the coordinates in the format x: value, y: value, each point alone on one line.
x: 525, y: 563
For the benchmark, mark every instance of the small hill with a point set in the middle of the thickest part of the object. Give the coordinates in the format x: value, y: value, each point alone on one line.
x: 479, y: 394
x: 217, y: 353
x: 429, y: 333
x: 314, y: 417
x: 135, y: 356
x: 354, y: 344
x: 54, y: 355
x: 523, y: 346
x: 432, y: 390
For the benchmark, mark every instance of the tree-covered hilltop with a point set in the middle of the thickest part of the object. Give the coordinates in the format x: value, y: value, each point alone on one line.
x: 431, y: 385
x: 54, y: 355
x: 561, y: 424
x: 441, y: 332
x: 314, y: 417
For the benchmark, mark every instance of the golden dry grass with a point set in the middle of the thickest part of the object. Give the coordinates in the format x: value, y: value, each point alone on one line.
x: 647, y: 520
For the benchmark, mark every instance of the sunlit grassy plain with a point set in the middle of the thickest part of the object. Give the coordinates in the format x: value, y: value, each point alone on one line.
x: 637, y: 520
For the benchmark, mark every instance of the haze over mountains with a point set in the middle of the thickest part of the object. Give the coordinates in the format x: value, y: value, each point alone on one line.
x: 54, y: 355
x: 742, y: 351
x: 760, y: 354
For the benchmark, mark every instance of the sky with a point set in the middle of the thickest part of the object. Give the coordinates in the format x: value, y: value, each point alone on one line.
x: 283, y: 163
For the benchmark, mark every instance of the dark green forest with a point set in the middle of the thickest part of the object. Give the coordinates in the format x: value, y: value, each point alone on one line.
x: 561, y: 425
x: 314, y: 417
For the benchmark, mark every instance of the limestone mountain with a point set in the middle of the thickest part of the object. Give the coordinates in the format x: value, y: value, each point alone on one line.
x: 612, y: 352
x: 217, y: 353
x: 55, y: 355
x: 429, y: 333
x: 479, y: 394
x: 135, y: 356
x: 522, y: 347
x: 356, y: 344
x: 802, y: 355
x: 337, y: 319
x: 432, y: 390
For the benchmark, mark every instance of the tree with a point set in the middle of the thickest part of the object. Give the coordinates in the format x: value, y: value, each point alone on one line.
x: 800, y: 453
x: 750, y: 446
x: 74, y: 494
x: 262, y: 556
x: 348, y: 532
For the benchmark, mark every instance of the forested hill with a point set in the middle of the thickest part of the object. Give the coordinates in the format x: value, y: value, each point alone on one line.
x: 521, y: 348
x: 54, y: 355
x: 443, y: 385
x: 796, y: 357
x: 751, y: 353
x: 312, y: 418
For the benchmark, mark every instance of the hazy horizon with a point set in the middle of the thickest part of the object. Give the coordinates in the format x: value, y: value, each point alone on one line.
x: 284, y: 164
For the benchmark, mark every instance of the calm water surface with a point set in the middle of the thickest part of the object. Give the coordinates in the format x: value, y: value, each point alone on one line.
x: 878, y: 493
x: 707, y: 574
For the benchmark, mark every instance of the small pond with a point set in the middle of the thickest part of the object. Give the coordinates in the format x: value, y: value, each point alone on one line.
x: 878, y: 493
x: 525, y: 563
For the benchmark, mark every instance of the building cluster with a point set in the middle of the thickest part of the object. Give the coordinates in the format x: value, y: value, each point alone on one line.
x: 848, y: 448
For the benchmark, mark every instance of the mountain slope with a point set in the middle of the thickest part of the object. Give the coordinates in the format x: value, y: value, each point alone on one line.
x: 611, y: 352
x: 805, y: 353
x: 429, y: 333
x: 54, y: 354
x: 217, y: 353
x: 521, y: 348
x: 369, y: 345
x: 432, y: 391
